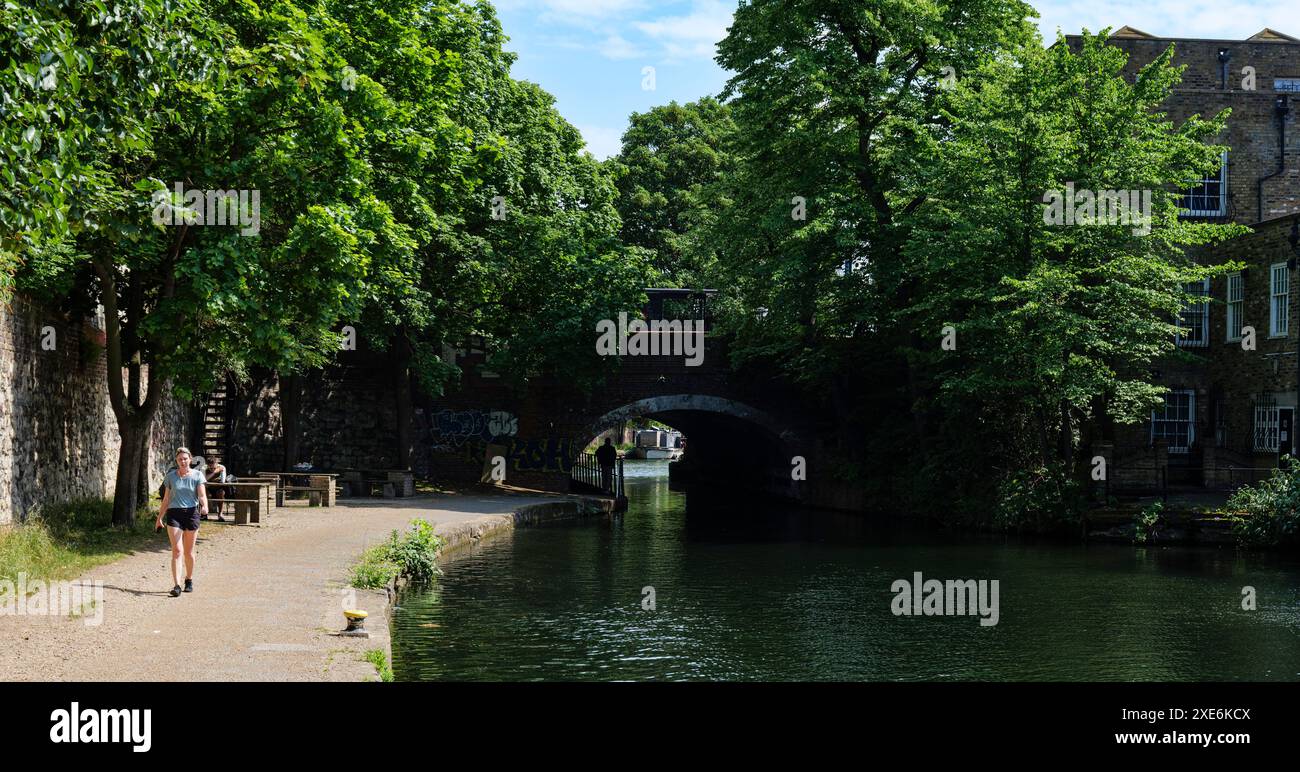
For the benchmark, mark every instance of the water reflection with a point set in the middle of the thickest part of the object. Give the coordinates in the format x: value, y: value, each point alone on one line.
x: 754, y: 593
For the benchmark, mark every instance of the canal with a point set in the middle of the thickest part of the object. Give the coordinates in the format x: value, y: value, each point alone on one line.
x: 760, y: 593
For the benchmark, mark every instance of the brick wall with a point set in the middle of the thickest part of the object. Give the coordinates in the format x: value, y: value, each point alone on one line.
x: 58, y: 436
x: 1252, y: 134
x: 1224, y: 379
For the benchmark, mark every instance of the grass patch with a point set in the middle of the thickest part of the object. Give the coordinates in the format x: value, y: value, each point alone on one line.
x: 63, y: 541
x: 428, y: 486
x: 379, y: 659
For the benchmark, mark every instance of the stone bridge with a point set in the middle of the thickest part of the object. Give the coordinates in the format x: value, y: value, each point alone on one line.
x: 741, y: 430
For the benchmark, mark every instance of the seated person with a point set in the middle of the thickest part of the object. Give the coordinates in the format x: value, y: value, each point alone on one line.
x: 216, y: 475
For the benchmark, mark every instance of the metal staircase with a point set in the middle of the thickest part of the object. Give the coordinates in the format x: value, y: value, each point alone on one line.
x: 215, y: 412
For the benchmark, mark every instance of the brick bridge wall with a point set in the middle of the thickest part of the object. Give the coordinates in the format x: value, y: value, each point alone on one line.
x: 348, y: 417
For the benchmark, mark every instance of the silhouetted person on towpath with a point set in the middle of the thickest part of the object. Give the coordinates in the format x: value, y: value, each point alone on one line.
x: 606, y: 456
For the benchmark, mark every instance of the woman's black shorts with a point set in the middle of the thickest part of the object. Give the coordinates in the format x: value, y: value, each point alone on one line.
x: 184, y: 518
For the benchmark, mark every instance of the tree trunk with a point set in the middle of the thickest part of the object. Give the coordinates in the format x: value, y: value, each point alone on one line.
x: 134, y: 434
x: 1065, y: 449
x: 289, y: 418
x: 142, y: 471
x: 122, y: 351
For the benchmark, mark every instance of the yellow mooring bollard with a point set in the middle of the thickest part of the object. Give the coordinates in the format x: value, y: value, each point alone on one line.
x: 356, y: 623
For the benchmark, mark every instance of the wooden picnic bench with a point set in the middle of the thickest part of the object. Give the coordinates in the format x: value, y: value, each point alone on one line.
x: 253, y: 500
x: 390, y: 483
x: 319, y: 486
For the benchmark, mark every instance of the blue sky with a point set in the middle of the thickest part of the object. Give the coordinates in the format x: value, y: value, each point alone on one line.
x: 592, y: 54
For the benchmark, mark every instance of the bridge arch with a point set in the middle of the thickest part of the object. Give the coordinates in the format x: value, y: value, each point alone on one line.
x: 701, y: 403
x: 727, y: 441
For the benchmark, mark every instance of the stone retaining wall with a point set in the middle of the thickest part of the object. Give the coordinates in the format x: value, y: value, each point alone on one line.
x: 58, y: 436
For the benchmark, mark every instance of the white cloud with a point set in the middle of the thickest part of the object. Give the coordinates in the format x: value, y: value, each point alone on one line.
x: 618, y: 47
x: 602, y: 141
x: 592, y: 15
x: 695, y: 35
x: 593, y: 7
x: 638, y: 29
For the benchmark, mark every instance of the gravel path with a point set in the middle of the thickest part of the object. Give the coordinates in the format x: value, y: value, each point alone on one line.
x: 267, y: 602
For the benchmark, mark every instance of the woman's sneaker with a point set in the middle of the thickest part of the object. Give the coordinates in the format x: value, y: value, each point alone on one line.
x: 176, y: 591
x: 189, y: 585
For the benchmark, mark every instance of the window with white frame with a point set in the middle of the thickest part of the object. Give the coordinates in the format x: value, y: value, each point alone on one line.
x: 1266, y: 423
x: 1174, y: 421
x: 1194, y: 321
x: 1279, y: 307
x: 1208, y: 197
x: 1236, y: 306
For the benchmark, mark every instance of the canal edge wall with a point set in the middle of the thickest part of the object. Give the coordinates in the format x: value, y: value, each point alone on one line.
x: 464, y: 533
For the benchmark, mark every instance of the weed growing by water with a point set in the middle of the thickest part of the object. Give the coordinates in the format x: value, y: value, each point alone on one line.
x: 1147, y: 523
x: 379, y: 659
x: 411, y: 556
x: 1271, y: 508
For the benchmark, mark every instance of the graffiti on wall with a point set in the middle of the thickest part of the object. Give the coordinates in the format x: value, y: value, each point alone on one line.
x: 545, y: 455
x: 471, y: 432
x: 451, y: 429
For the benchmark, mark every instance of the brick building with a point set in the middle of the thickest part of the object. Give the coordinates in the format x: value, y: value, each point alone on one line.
x: 1231, y: 409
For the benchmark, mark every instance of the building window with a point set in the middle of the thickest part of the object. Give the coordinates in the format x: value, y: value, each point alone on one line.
x: 1209, y: 196
x: 1194, y: 321
x: 1174, y: 421
x: 1236, y: 306
x: 1279, y: 290
x: 1266, y: 424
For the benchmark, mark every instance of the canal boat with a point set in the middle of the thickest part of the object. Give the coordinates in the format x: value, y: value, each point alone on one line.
x: 658, y: 444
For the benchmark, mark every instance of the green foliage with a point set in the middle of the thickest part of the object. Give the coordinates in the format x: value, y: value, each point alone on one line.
x: 1060, y: 322
x: 923, y: 204
x: 670, y: 157
x: 834, y: 103
x: 1038, y: 500
x: 450, y: 131
x: 416, y: 551
x: 411, y: 555
x: 82, y: 86
x: 1147, y: 523
x: 374, y: 570
x: 1271, y: 508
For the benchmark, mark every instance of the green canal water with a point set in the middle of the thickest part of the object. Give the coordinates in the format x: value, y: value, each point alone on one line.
x: 770, y: 594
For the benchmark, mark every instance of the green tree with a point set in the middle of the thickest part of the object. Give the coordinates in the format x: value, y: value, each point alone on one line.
x: 1057, y: 325
x: 186, y: 302
x: 670, y: 157
x: 835, y: 103
x: 514, y: 225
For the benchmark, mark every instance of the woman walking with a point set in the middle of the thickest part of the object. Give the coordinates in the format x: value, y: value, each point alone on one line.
x: 184, y: 499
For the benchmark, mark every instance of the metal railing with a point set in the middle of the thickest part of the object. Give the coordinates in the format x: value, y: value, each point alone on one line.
x: 588, y: 471
x: 1155, y: 479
